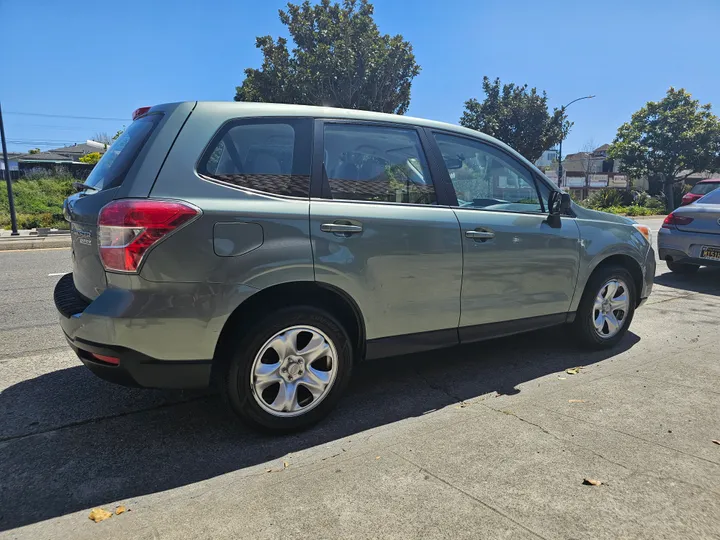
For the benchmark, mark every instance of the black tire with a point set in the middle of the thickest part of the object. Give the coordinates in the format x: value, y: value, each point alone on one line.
x: 235, y: 382
x: 584, y: 327
x: 680, y: 268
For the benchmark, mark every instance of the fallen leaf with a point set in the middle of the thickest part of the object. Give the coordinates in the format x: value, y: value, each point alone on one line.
x: 576, y: 401
x: 285, y: 464
x: 99, y: 514
x: 268, y: 470
x: 120, y: 510
x: 716, y: 442
x: 592, y: 482
x: 377, y: 457
x: 573, y: 371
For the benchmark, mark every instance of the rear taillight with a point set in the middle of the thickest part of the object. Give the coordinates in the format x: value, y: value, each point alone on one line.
x: 689, y: 198
x: 673, y: 220
x: 128, y: 228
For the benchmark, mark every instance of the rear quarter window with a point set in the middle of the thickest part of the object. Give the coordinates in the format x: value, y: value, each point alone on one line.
x: 268, y: 155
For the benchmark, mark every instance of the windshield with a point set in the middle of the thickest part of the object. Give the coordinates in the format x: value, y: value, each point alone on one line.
x: 110, y: 171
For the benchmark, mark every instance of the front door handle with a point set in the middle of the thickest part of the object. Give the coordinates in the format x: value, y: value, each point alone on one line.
x: 341, y: 228
x: 480, y: 236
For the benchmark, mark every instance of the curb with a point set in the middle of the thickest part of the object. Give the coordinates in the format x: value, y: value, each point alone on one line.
x: 35, y: 242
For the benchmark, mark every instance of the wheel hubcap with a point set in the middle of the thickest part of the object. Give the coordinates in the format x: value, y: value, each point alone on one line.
x: 293, y: 371
x: 611, y: 308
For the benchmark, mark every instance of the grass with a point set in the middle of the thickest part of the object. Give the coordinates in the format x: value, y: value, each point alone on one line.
x: 38, y: 201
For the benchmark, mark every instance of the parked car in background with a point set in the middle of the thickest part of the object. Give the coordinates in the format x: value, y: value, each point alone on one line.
x: 690, y: 236
x: 702, y: 188
x: 268, y: 248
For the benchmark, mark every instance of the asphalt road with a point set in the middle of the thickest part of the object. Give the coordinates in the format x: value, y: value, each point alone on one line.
x: 488, y: 441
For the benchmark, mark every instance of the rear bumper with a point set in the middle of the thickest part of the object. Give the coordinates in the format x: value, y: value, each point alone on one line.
x: 685, y: 247
x: 164, y: 335
x: 137, y: 369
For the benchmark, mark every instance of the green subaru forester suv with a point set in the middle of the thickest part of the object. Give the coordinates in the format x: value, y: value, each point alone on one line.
x: 268, y: 248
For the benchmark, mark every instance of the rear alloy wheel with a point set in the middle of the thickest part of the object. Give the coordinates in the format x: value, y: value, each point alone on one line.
x: 606, y: 308
x: 289, y: 369
x: 680, y: 268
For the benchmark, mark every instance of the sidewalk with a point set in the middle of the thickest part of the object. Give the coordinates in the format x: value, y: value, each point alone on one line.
x: 33, y: 239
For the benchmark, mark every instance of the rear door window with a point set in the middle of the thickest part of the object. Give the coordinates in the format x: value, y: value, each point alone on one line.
x: 110, y: 171
x: 704, y: 188
x: 376, y: 163
x: 269, y: 155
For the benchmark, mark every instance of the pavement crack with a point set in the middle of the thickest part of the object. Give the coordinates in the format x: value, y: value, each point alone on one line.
x: 560, y: 439
x: 14, y: 438
x: 440, y: 479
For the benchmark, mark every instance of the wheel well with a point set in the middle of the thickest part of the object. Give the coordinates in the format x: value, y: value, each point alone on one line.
x: 326, y: 297
x: 630, y: 264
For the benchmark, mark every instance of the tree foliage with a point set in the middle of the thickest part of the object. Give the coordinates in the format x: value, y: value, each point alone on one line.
x: 92, y: 158
x: 340, y: 59
x: 34, y: 151
x: 517, y: 116
x: 669, y: 139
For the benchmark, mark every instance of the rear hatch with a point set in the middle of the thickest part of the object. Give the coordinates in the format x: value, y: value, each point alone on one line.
x: 128, y: 169
x: 699, y: 218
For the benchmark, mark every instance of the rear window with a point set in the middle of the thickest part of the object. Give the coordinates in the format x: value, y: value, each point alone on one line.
x: 110, y: 171
x: 264, y: 154
x: 704, y: 188
x: 712, y: 198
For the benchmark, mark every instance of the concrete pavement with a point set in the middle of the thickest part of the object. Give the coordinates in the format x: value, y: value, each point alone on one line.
x: 488, y: 441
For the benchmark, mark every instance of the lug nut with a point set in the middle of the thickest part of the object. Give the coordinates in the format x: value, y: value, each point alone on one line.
x: 289, y: 377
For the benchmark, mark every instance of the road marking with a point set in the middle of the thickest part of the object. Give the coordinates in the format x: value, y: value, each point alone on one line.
x: 57, y: 274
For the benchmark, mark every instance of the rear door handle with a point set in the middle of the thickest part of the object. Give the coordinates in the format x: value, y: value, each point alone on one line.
x: 481, y: 236
x: 342, y: 228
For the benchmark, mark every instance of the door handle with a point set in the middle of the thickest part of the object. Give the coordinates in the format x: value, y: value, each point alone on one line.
x: 481, y: 236
x: 342, y: 228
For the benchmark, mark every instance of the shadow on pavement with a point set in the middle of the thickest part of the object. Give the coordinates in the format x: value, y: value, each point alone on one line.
x: 706, y: 280
x: 102, y: 458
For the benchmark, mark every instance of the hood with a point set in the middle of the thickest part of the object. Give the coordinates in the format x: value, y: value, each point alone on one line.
x: 586, y: 213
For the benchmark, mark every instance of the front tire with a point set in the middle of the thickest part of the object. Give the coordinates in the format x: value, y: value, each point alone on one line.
x: 289, y: 369
x: 606, y: 309
x: 679, y: 268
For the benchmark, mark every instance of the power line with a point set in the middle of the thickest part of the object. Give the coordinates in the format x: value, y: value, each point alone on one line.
x: 68, y: 116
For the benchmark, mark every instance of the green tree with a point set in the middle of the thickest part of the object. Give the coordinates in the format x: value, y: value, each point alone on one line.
x: 669, y: 139
x: 34, y: 151
x: 117, y: 135
x: 517, y: 116
x: 340, y: 59
x: 92, y: 158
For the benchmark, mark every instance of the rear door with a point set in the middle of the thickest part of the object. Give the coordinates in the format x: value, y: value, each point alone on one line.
x: 128, y: 168
x: 381, y: 234
x: 518, y: 270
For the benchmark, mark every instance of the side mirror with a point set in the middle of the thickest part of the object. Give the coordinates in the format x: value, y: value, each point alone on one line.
x: 559, y: 203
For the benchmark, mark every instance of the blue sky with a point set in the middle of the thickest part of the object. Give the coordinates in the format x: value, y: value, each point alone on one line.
x: 104, y: 59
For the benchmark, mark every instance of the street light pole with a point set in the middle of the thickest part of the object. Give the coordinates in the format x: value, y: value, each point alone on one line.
x: 562, y: 136
x: 8, y: 181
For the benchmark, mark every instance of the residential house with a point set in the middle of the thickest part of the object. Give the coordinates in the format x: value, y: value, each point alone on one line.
x: 548, y: 158
x: 67, y: 157
x: 586, y: 172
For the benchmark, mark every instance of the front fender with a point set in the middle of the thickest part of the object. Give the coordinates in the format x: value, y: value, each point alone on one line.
x: 600, y: 239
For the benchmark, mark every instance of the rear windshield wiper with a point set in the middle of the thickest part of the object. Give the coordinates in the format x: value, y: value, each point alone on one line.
x: 79, y: 186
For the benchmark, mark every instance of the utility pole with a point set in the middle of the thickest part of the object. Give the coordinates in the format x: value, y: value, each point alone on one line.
x: 562, y: 136
x: 8, y: 181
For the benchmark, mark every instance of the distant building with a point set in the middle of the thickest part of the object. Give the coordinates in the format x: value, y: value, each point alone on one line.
x: 586, y: 172
x: 67, y: 157
x: 547, y: 159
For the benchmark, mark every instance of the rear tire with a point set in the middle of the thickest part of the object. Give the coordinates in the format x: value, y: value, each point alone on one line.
x: 604, y: 315
x: 680, y: 268
x: 288, y: 370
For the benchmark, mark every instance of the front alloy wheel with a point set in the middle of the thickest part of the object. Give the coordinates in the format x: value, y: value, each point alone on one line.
x: 611, y: 305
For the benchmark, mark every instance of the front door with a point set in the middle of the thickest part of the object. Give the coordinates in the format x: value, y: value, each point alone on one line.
x: 379, y: 234
x: 517, y: 268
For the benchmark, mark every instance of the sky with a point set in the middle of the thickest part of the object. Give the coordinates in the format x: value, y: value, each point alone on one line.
x: 105, y: 59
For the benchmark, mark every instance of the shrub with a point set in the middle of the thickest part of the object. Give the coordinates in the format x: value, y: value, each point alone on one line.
x: 38, y: 201
x: 605, y: 198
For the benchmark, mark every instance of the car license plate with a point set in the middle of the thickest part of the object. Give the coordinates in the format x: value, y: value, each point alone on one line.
x: 709, y: 252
